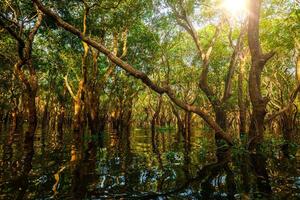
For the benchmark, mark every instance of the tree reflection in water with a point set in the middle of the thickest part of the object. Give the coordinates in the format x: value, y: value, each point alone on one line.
x: 141, y: 165
x: 18, y: 171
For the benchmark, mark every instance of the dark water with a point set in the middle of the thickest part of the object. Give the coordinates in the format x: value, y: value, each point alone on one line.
x: 143, y: 165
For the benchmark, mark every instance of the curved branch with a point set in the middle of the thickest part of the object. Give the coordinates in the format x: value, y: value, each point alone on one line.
x: 69, y: 87
x: 32, y: 33
x: 20, y: 41
x: 292, y: 99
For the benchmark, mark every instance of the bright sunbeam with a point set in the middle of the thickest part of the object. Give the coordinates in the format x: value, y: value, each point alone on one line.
x: 235, y: 7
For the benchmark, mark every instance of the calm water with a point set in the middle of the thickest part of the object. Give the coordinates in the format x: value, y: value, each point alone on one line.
x: 143, y: 165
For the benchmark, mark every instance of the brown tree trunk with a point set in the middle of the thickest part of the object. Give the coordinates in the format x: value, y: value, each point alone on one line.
x: 21, y: 182
x: 60, y: 122
x: 93, y: 120
x: 45, y: 118
x: 180, y: 124
x: 96, y: 121
x: 298, y: 66
x: 258, y: 61
x: 1, y: 120
x: 259, y: 165
x: 187, y: 121
x: 221, y: 119
x: 29, y: 81
x: 241, y: 101
x: 45, y: 123
x: 14, y: 120
x: 156, y: 114
x: 287, y: 129
x: 6, y: 119
x: 32, y: 116
x: 77, y: 117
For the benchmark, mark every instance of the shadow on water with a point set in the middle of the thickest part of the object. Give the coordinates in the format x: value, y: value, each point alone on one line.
x: 141, y: 165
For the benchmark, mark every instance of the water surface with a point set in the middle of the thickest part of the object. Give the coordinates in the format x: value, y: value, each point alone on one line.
x: 143, y: 165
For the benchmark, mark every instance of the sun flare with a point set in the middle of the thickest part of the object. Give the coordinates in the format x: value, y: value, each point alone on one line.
x: 235, y: 7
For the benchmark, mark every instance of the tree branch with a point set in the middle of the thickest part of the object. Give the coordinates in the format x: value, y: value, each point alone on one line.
x: 292, y: 99
x: 69, y: 87
x: 232, y: 65
x: 32, y: 33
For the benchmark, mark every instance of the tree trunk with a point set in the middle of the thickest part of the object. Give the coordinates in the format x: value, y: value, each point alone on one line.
x: 77, y: 118
x: 96, y: 121
x: 93, y: 120
x: 60, y: 123
x: 32, y: 116
x: 287, y: 129
x: 187, y: 121
x: 1, y: 120
x: 298, y: 66
x: 180, y: 124
x: 258, y: 61
x: 45, y: 118
x: 241, y: 101
x: 21, y: 182
x: 156, y: 114
x: 14, y: 120
x: 221, y: 119
x: 259, y: 164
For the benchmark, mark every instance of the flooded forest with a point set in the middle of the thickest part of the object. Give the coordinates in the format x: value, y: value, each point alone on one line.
x: 150, y: 99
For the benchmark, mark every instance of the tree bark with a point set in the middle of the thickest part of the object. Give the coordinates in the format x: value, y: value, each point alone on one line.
x: 241, y: 101
x: 180, y: 124
x: 188, y: 125
x: 258, y: 61
x: 156, y: 114
x: 60, y: 122
x: 298, y: 61
x: 29, y: 81
x: 32, y: 116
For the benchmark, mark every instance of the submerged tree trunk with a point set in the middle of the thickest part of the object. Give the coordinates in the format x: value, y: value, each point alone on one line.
x: 30, y: 83
x: 21, y: 182
x: 156, y: 114
x: 259, y: 163
x: 60, y: 122
x: 29, y: 80
x: 45, y: 122
x: 32, y: 116
x: 180, y: 124
x: 46, y: 115
x: 78, y: 108
x: 61, y: 116
x: 93, y: 89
